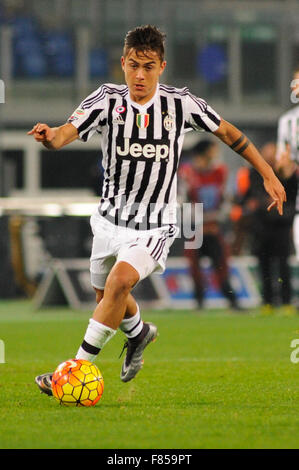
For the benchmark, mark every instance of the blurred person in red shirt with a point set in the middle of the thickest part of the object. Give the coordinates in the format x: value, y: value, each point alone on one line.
x: 204, y: 179
x: 240, y: 215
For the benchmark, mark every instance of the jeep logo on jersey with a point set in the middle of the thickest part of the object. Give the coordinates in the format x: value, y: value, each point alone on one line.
x: 141, y: 149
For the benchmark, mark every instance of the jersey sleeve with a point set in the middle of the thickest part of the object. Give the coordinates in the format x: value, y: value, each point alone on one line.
x: 89, y: 116
x: 199, y: 115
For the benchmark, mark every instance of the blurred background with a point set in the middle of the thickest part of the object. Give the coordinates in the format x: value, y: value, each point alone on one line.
x: 238, y: 55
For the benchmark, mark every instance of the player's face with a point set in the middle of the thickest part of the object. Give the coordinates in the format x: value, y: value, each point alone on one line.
x: 142, y: 74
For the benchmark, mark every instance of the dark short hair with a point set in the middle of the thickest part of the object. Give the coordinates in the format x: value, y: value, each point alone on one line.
x: 201, y: 147
x: 145, y: 38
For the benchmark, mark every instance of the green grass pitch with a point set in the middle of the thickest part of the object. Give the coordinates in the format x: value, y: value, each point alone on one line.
x: 211, y: 380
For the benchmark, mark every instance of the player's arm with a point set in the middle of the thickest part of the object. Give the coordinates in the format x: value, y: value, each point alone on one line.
x: 54, y: 138
x: 238, y: 142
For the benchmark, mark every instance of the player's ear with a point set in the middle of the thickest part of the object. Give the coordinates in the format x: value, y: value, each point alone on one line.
x: 162, y: 67
x: 122, y: 61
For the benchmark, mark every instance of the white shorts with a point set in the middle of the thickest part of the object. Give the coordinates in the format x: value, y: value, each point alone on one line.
x: 145, y: 250
x: 296, y: 235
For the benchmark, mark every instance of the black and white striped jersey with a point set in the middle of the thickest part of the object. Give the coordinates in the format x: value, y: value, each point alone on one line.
x: 141, y: 146
x: 288, y: 133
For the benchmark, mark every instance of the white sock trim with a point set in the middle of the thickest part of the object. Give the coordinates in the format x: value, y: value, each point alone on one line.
x: 97, y: 335
x: 132, y: 326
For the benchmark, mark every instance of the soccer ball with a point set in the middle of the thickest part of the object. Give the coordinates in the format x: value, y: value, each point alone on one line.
x: 77, y: 382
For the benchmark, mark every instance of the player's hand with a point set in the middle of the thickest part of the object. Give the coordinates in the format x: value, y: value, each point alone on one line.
x: 42, y: 133
x: 277, y: 193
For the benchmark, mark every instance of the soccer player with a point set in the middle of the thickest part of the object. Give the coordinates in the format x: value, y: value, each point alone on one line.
x: 204, y: 179
x: 142, y: 126
x: 288, y: 150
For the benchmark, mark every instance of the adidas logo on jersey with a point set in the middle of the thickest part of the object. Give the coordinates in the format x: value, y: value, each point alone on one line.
x: 143, y: 151
x: 118, y: 120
